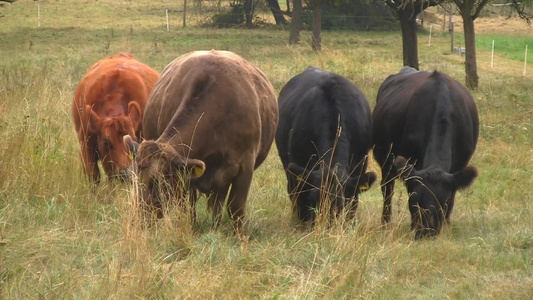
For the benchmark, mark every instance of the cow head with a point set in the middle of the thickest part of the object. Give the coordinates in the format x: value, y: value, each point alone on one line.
x: 160, y: 169
x: 309, y: 188
x: 110, y: 132
x: 431, y: 194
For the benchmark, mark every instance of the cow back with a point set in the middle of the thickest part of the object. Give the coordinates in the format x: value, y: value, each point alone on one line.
x: 428, y: 117
x: 212, y: 101
x: 321, y: 112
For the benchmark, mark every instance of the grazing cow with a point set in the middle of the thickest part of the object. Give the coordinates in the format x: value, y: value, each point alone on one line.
x: 425, y: 130
x: 323, y: 139
x: 108, y: 104
x: 209, y: 123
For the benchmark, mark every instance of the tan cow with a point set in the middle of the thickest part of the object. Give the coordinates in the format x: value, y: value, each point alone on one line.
x: 108, y: 104
x: 212, y: 113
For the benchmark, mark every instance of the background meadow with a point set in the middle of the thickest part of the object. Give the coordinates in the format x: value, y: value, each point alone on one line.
x: 61, y: 238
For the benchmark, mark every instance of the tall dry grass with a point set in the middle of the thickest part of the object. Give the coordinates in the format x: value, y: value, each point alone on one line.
x: 62, y: 238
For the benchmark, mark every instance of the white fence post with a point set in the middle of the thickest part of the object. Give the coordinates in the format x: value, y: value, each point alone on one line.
x: 525, y: 63
x: 492, y: 55
x: 430, y: 28
x: 166, y: 11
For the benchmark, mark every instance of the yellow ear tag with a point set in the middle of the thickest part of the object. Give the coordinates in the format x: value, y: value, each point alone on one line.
x: 299, y: 178
x: 198, y: 171
x: 130, y: 155
x: 364, y: 187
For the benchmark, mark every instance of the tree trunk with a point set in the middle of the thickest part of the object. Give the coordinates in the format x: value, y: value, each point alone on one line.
x: 472, y: 79
x: 317, y: 25
x: 409, y: 37
x: 248, y: 12
x: 296, y: 22
x: 276, y: 11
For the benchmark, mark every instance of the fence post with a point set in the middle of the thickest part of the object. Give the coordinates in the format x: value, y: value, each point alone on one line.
x: 492, y: 55
x: 525, y: 63
x: 184, y: 13
x: 451, y: 36
x: 430, y: 28
x: 38, y: 16
x: 166, y: 11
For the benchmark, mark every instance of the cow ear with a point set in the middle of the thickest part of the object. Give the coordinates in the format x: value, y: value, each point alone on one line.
x: 132, y: 146
x: 92, y: 119
x: 135, y: 114
x: 359, y: 184
x: 195, y: 167
x: 402, y: 167
x: 366, y: 181
x: 465, y: 177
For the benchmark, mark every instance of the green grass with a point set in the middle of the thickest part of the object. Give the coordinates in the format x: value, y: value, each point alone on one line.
x: 60, y: 238
x: 511, y: 47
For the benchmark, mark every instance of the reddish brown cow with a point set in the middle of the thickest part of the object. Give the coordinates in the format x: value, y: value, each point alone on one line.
x: 212, y: 113
x: 108, y: 104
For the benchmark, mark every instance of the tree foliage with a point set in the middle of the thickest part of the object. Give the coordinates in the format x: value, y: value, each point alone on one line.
x: 470, y: 10
x: 407, y: 10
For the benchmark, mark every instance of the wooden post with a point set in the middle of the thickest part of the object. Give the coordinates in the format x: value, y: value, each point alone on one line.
x: 38, y: 16
x: 451, y: 36
x: 450, y: 20
x: 444, y: 13
x: 184, y: 13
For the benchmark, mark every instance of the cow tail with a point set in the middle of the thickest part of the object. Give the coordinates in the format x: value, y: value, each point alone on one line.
x: 441, y: 91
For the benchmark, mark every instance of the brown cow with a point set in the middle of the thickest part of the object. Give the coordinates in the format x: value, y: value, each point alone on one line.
x: 108, y: 104
x: 212, y: 113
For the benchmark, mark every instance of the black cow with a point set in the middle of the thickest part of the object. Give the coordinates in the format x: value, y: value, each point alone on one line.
x: 323, y: 139
x: 425, y: 130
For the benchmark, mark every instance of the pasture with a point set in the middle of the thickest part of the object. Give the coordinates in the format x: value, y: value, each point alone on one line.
x: 62, y: 238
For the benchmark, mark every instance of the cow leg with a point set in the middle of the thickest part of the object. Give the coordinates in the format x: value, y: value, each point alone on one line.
x: 387, y: 189
x: 90, y: 157
x: 385, y: 158
x: 237, y: 199
x: 193, y: 198
x: 216, y: 203
x: 449, y: 207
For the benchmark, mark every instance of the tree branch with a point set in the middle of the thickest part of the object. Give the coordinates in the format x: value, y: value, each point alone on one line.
x: 479, y: 8
x: 521, y: 13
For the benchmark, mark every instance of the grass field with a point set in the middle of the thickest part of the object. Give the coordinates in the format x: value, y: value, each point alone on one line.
x: 60, y: 238
x: 511, y: 47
